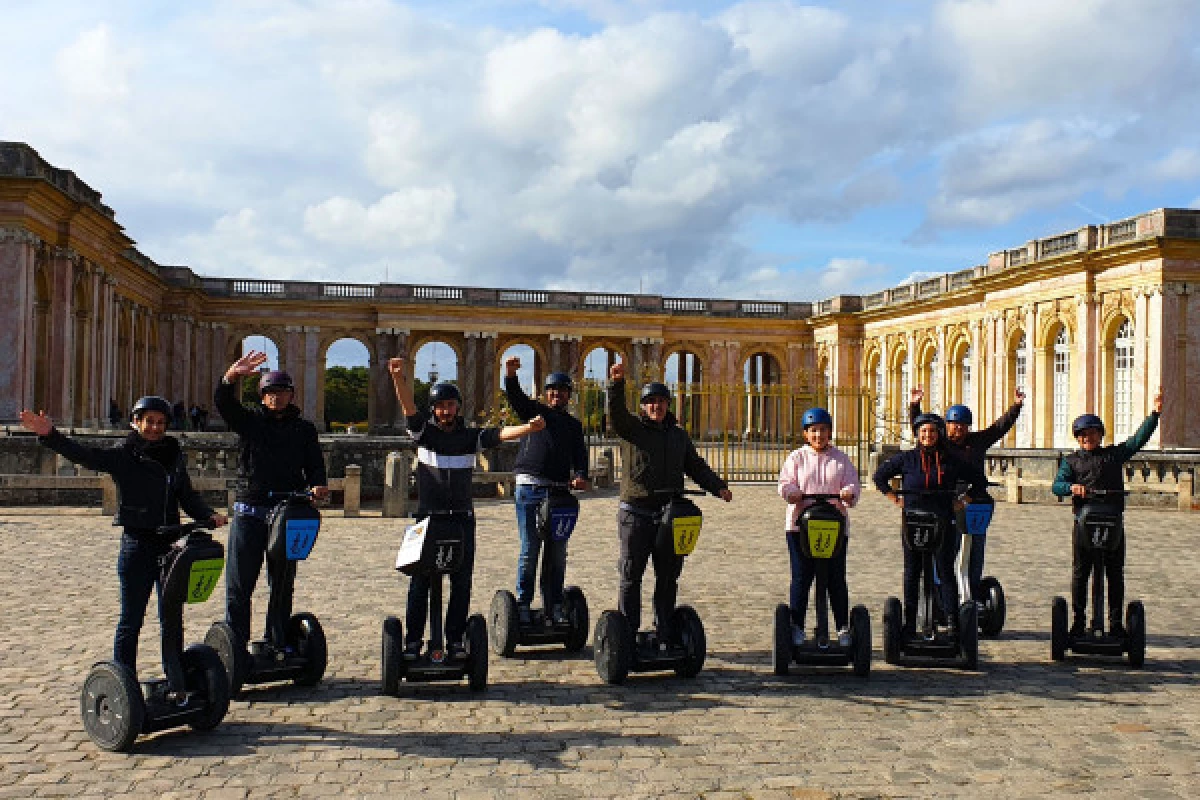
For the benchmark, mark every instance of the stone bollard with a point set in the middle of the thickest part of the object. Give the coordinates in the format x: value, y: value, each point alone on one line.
x: 351, y: 490
x: 108, y: 495
x: 395, y: 484
x: 1013, y: 485
x: 230, y: 496
x: 1187, y: 488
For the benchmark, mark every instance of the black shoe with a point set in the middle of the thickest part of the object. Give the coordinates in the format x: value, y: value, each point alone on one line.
x: 524, y: 614
x: 559, y: 615
x: 1078, y: 628
x: 412, y: 649
x: 457, y: 650
x: 1117, y: 630
x: 908, y: 633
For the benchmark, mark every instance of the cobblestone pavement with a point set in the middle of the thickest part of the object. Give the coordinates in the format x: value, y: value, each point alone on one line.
x: 547, y: 726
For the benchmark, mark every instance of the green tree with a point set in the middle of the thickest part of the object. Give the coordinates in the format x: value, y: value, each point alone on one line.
x: 345, y: 394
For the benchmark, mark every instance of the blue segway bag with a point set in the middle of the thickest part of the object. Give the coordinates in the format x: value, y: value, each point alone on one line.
x: 293, y: 526
x: 557, y: 515
x: 979, y: 517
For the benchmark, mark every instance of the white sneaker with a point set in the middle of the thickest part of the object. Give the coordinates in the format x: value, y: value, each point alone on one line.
x: 797, y: 635
x: 844, y: 639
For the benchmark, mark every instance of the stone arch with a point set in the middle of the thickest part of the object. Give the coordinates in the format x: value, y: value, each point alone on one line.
x: 620, y: 352
x: 233, y: 344
x: 769, y: 370
x: 1048, y: 326
x: 700, y: 356
x: 1116, y: 373
x: 541, y: 356
x: 694, y: 407
x: 958, y: 348
x: 325, y: 344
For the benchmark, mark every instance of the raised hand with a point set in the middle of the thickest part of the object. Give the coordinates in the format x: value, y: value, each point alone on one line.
x: 1020, y: 395
x: 537, y: 424
x: 617, y: 371
x: 916, y: 395
x: 38, y: 423
x: 246, y: 365
x: 1158, y: 401
x: 398, y: 367
x: 511, y: 365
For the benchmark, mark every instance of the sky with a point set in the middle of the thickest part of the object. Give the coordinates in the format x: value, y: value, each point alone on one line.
x: 750, y: 150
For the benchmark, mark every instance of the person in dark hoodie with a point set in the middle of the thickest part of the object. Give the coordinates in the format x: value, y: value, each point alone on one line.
x: 150, y: 471
x: 971, y: 447
x: 930, y: 465
x: 1093, y: 466
x: 278, y: 452
x: 554, y: 456
x: 657, y: 453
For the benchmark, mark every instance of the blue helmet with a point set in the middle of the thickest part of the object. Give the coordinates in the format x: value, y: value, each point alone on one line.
x: 815, y: 416
x: 929, y: 419
x: 1085, y: 421
x: 960, y: 414
x: 444, y: 391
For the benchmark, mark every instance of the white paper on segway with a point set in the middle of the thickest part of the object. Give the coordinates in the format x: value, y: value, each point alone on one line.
x: 413, y: 544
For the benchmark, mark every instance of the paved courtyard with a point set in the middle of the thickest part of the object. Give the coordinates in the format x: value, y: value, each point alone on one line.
x: 548, y: 727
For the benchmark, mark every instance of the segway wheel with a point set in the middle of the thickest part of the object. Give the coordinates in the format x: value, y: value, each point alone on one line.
x: 504, y: 623
x: 576, y: 606
x: 686, y: 624
x: 968, y: 635
x: 781, y: 650
x: 204, y: 673
x: 612, y: 645
x: 1058, y: 629
x: 232, y: 652
x: 477, y: 653
x: 992, y: 620
x: 112, y: 707
x: 1135, y: 626
x: 860, y: 634
x: 892, y: 626
x: 393, y: 656
x: 304, y: 633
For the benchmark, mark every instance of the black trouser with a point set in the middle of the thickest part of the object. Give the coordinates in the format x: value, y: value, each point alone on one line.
x: 943, y: 562
x: 417, y: 613
x: 1082, y: 562
x: 139, y: 574
x: 247, y: 550
x: 804, y: 572
x: 638, y: 533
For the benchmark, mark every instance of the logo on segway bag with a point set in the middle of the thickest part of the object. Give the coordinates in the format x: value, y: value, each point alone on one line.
x: 301, y: 535
x: 1100, y: 534
x: 822, y: 537
x: 922, y: 536
x: 202, y: 579
x: 445, y: 556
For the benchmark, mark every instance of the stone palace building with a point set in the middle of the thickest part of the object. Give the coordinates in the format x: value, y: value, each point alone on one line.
x: 1095, y: 319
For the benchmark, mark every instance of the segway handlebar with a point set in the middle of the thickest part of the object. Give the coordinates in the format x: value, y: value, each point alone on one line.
x: 1106, y: 493
x: 821, y: 496
x: 184, y: 529
x: 677, y: 492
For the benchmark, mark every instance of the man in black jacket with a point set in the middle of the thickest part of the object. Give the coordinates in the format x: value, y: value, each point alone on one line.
x: 971, y: 447
x: 150, y: 471
x: 278, y: 452
x: 556, y: 455
x: 656, y: 454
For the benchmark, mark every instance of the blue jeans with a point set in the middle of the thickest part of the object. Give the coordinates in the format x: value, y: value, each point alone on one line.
x: 139, y: 574
x: 417, y: 612
x: 804, y: 572
x: 554, y: 567
x: 244, y: 558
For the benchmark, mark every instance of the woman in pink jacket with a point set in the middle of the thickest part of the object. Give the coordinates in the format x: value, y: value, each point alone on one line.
x: 817, y: 468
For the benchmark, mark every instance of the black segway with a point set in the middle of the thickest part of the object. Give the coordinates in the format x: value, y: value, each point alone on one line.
x: 922, y: 533
x: 195, y: 691
x: 1100, y: 529
x: 822, y: 536
x: 294, y: 646
x: 619, y: 649
x: 434, y: 547
x: 991, y: 607
x: 556, y: 518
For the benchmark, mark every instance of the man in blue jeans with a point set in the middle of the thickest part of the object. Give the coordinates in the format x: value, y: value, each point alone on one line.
x: 556, y: 455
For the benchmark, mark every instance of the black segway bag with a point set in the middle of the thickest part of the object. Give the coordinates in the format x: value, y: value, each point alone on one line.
x: 292, y: 530
x: 679, y: 527
x: 822, y: 531
x: 433, y: 546
x: 191, y: 569
x: 557, y: 515
x: 1099, y: 528
x: 923, y: 530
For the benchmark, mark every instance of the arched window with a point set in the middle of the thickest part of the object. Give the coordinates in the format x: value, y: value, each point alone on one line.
x: 1021, y: 381
x: 1123, y: 382
x: 1062, y: 389
x: 965, y: 372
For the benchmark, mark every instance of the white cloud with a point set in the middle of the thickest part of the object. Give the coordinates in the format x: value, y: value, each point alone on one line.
x: 1181, y: 164
x: 93, y: 68
x: 400, y: 219
x: 849, y: 276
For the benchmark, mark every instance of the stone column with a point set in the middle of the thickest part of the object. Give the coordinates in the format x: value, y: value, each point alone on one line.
x: 978, y: 371
x: 556, y: 353
x: 1158, y: 355
x: 383, y: 412
x: 468, y: 374
x: 1037, y: 409
x: 1141, y: 350
x: 573, y: 365
x: 489, y: 370
x: 18, y: 333
x: 314, y: 375
x: 1086, y: 357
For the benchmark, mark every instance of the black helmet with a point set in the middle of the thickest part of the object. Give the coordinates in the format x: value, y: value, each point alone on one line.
x: 151, y: 403
x: 1085, y: 421
x: 444, y: 391
x: 275, y: 379
x: 654, y: 389
x: 927, y: 419
x: 558, y: 380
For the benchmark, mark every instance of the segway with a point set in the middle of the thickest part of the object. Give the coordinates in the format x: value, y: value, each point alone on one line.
x: 619, y: 649
x: 991, y: 608
x: 822, y: 536
x: 922, y: 533
x: 1100, y: 529
x: 434, y: 547
x: 293, y: 648
x: 556, y: 518
x: 195, y: 691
